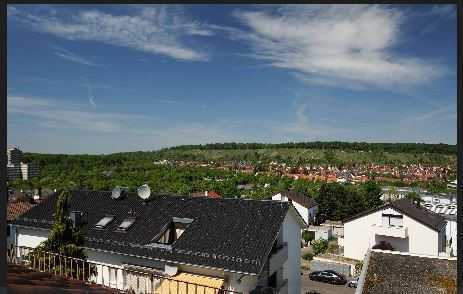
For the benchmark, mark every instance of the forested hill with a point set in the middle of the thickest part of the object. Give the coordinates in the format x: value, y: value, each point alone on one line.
x: 346, y: 146
x: 334, y: 153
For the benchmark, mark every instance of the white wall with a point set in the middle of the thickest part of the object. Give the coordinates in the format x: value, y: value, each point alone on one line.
x: 359, y: 236
x: 292, y: 267
x: 30, y: 237
x: 451, y: 232
x: 306, y: 213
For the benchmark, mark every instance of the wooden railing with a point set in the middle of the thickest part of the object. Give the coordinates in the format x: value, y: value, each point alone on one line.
x: 123, y: 279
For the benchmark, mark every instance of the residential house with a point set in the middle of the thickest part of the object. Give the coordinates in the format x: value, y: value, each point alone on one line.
x: 402, y: 224
x: 14, y: 209
x: 306, y: 206
x: 210, y: 194
x: 233, y: 243
x: 404, y: 273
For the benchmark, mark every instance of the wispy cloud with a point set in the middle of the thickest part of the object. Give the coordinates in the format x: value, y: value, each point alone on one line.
x: 445, y: 112
x: 57, y: 114
x: 155, y: 29
x: 90, y: 95
x: 335, y: 45
x: 70, y: 56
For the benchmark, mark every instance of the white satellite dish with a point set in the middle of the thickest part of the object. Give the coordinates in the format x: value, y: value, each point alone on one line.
x: 144, y: 191
x: 119, y: 192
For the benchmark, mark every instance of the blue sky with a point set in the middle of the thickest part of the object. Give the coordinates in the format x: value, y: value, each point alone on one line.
x: 103, y: 79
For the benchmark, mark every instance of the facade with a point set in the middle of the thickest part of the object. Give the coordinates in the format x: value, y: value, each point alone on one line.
x: 219, y: 239
x: 401, y: 224
x: 14, y: 156
x: 14, y: 172
x: 16, y: 169
x: 405, y: 273
x: 29, y: 170
x: 306, y: 206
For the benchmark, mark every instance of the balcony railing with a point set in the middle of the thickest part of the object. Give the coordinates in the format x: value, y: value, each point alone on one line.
x: 107, y: 276
x: 278, y: 256
x: 391, y: 231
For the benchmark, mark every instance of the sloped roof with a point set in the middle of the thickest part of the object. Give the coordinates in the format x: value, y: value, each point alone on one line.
x: 230, y: 234
x: 300, y: 198
x: 407, y: 207
x: 409, y: 274
x: 17, y: 208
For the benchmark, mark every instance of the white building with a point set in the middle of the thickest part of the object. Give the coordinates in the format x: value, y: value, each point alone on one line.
x: 402, y: 224
x: 16, y: 169
x: 14, y: 156
x: 240, y: 244
x: 306, y: 206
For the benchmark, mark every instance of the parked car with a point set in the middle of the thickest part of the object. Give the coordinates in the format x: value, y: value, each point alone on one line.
x: 353, y: 283
x: 328, y: 276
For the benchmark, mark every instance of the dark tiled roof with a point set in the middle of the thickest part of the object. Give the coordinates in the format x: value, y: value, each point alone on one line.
x: 406, y: 274
x: 300, y: 198
x: 407, y: 207
x: 231, y: 234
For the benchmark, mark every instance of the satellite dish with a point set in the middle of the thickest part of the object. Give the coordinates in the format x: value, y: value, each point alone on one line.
x: 144, y: 191
x: 119, y: 192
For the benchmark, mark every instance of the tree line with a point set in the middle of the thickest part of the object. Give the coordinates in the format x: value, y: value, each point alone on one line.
x: 334, y: 145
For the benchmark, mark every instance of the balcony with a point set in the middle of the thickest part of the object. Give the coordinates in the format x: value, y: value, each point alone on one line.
x: 390, y: 231
x: 278, y: 256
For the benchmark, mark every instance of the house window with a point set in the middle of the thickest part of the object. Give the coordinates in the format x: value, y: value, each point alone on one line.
x: 104, y: 222
x: 392, y: 220
x: 173, y: 230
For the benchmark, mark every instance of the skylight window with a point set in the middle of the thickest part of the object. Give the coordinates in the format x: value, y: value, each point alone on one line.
x: 104, y: 222
x: 126, y: 224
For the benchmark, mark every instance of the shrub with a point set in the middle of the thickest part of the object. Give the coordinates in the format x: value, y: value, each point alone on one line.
x: 319, y: 246
x: 332, y: 248
x: 383, y: 246
x: 308, y: 256
x: 308, y: 236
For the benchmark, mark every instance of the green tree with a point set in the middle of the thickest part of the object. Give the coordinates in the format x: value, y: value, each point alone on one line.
x: 414, y: 197
x: 64, y: 240
x: 371, y: 193
x: 319, y: 246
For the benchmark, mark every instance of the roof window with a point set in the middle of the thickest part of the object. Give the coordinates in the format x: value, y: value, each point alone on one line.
x: 126, y: 224
x: 104, y: 222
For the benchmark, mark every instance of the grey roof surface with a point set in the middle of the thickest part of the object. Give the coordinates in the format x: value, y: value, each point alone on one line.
x: 406, y: 274
x: 300, y: 198
x: 231, y: 234
x: 407, y: 207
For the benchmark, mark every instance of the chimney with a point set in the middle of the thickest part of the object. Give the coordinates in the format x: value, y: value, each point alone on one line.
x: 205, y: 194
x: 76, y: 218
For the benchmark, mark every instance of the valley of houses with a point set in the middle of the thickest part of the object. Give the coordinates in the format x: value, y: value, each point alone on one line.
x: 354, y: 173
x: 140, y: 242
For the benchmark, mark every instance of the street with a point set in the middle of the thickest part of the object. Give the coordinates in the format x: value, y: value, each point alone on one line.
x: 323, y: 288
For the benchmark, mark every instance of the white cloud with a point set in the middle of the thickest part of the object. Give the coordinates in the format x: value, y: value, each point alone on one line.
x: 70, y: 56
x: 56, y: 114
x: 335, y: 45
x: 156, y: 30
